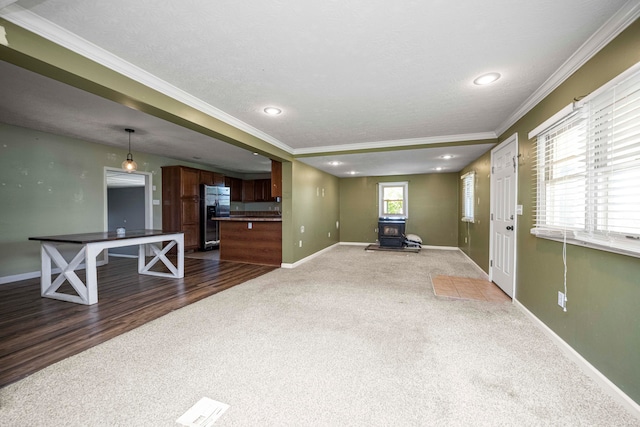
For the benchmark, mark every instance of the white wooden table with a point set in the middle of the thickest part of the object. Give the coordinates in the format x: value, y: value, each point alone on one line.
x: 92, y: 245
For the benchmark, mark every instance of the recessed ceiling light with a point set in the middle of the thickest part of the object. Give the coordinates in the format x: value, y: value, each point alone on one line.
x: 272, y: 111
x: 352, y: 173
x: 255, y: 154
x: 486, y: 79
x: 439, y: 168
x: 446, y: 156
x: 335, y: 163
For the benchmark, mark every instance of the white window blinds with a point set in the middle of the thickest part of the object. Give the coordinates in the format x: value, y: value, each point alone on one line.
x: 587, y: 171
x: 468, y: 190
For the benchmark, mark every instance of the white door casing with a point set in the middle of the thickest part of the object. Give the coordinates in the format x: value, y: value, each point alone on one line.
x: 502, y: 244
x: 148, y: 200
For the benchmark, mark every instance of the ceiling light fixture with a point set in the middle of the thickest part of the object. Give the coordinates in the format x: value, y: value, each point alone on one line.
x: 352, y: 173
x: 272, y: 111
x: 486, y: 79
x: 446, y: 156
x: 335, y: 163
x: 129, y: 165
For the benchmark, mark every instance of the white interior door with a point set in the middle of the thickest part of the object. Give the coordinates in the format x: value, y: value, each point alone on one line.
x: 504, y: 173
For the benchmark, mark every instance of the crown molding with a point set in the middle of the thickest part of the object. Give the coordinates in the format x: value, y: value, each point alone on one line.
x: 609, y: 30
x: 59, y: 35
x: 396, y: 143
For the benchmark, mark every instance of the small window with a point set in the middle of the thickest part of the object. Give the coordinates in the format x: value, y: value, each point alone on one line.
x: 468, y: 191
x: 393, y: 199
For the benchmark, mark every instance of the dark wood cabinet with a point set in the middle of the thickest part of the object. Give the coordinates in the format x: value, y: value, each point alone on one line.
x: 218, y: 179
x: 181, y: 203
x: 206, y: 177
x: 235, y: 186
x: 262, y: 190
x: 248, y: 191
x: 259, y: 244
x: 276, y: 179
x: 211, y: 178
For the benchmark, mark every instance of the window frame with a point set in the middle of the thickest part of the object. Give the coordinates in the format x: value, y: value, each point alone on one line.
x: 468, y: 197
x: 405, y: 199
x: 586, y: 218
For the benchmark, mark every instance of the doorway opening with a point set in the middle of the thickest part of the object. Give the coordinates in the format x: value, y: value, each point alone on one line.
x: 127, y: 204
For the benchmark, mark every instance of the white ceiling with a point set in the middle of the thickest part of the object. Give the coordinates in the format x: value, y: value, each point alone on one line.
x: 349, y: 75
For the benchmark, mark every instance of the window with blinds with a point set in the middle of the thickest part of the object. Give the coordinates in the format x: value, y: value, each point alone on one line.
x: 468, y: 189
x: 587, y: 171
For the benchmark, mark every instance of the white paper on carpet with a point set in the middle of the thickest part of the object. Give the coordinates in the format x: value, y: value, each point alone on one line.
x: 203, y: 414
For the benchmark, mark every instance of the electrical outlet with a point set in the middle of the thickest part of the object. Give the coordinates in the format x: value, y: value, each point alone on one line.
x: 250, y: 225
x: 329, y: 234
x: 465, y: 240
x: 300, y: 244
x: 561, y: 299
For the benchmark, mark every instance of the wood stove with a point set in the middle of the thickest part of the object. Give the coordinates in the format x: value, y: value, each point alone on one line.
x: 391, y: 232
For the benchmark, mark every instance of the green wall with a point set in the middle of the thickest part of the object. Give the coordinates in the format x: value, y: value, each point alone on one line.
x: 473, y: 238
x: 602, y: 321
x: 314, y: 205
x: 433, y: 208
x: 51, y: 184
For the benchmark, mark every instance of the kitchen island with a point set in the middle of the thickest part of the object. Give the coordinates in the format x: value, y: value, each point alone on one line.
x: 251, y: 239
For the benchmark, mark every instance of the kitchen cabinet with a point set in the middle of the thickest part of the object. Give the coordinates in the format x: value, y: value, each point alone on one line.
x: 235, y: 186
x: 248, y: 190
x: 181, y: 203
x: 262, y: 190
x: 251, y: 240
x: 211, y: 178
x: 276, y: 179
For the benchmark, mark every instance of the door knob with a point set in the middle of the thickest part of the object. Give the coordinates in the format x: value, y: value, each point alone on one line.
x: 509, y: 227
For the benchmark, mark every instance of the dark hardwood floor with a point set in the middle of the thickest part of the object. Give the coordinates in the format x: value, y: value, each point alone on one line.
x: 36, y: 332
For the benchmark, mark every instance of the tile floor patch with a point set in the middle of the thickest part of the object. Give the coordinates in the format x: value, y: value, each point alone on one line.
x: 467, y: 288
x: 203, y: 414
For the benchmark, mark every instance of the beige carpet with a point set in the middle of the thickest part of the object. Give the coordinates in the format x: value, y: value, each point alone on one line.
x: 350, y: 338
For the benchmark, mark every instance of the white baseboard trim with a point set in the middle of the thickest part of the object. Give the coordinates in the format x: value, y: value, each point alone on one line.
x: 354, y: 244
x: 310, y: 257
x: 484, y: 273
x: 605, y: 383
x: 36, y: 274
x: 442, y: 248
x: 19, y: 277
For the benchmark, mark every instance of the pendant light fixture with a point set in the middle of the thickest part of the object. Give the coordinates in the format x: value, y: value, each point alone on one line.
x: 129, y: 165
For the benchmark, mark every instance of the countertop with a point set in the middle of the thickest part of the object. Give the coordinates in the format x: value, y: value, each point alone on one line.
x: 250, y: 218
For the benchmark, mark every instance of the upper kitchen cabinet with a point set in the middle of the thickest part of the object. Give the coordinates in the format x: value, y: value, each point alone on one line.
x: 276, y: 179
x: 235, y: 185
x: 248, y: 190
x: 212, y: 178
x: 262, y: 190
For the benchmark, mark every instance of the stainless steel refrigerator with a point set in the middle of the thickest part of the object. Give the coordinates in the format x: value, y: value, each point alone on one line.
x: 215, y: 202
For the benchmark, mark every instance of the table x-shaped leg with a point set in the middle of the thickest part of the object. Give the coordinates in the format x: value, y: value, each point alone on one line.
x: 49, y: 252
x: 160, y: 255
